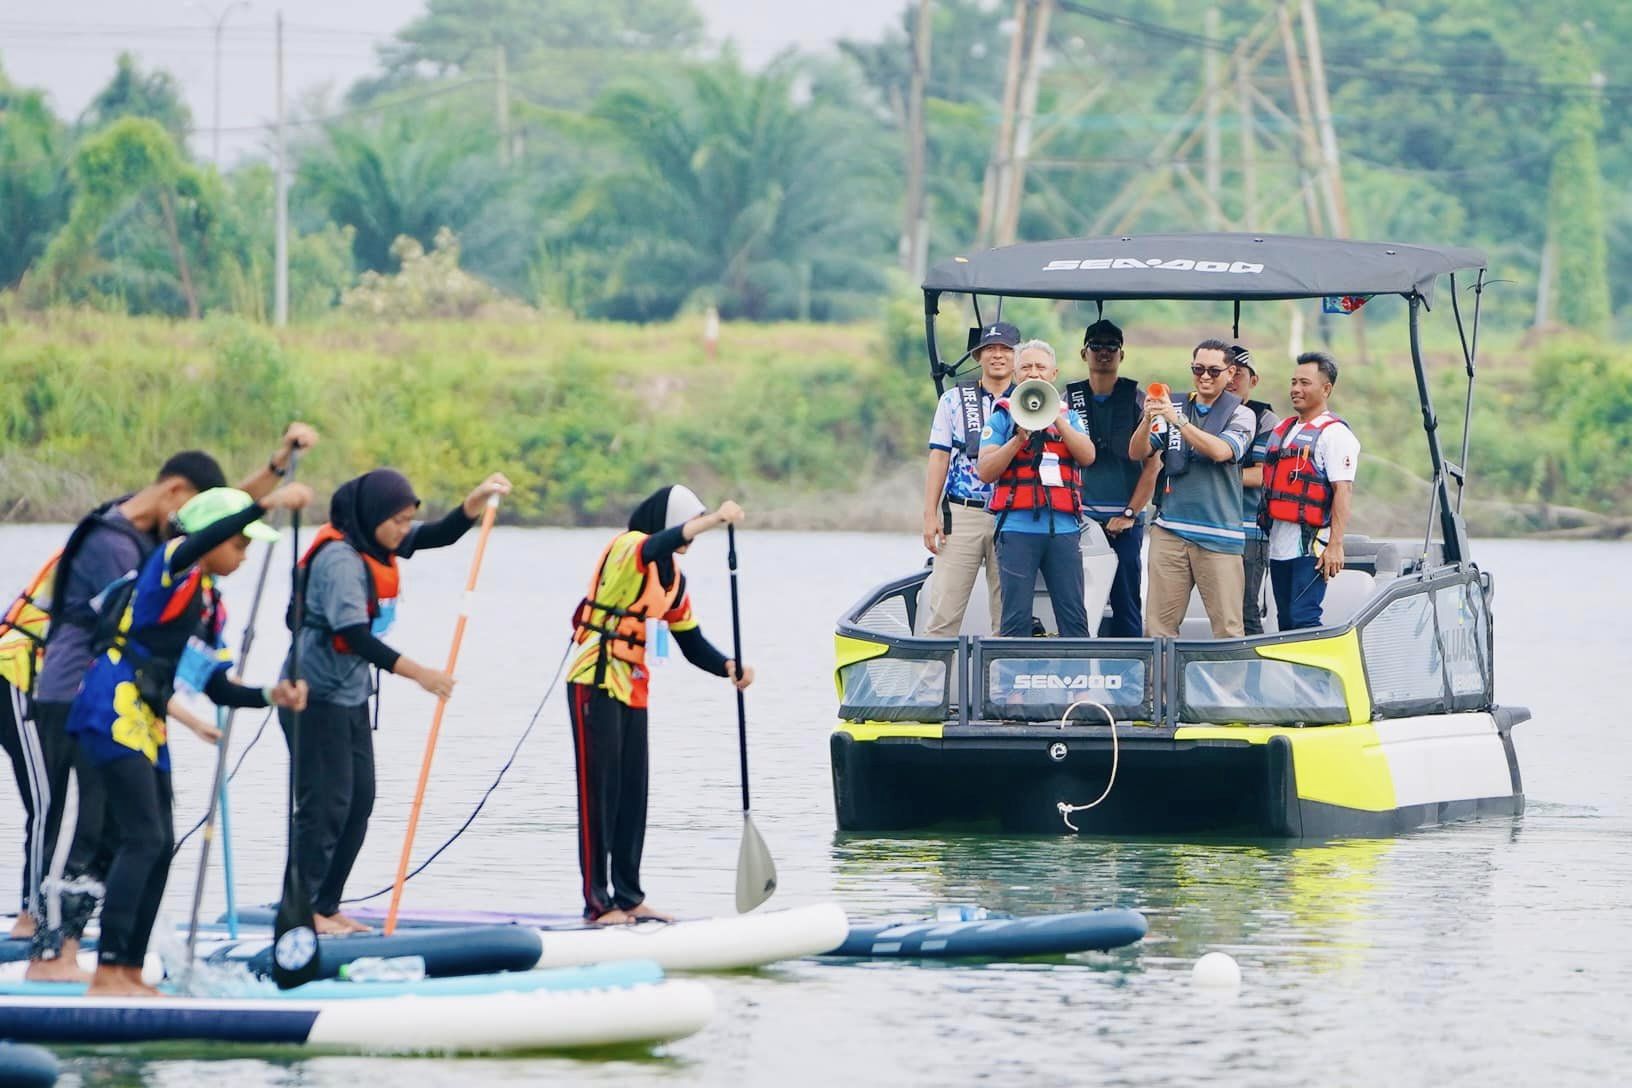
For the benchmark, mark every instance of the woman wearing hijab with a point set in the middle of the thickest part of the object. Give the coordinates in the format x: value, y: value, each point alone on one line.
x: 637, y: 596
x: 351, y: 582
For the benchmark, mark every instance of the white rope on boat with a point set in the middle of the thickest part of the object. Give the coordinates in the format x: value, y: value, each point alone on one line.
x: 1067, y: 809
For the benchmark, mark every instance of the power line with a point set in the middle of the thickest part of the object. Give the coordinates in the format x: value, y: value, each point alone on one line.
x: 1435, y: 78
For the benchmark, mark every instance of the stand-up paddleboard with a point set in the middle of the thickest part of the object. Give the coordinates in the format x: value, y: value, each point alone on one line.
x: 732, y: 943
x: 447, y: 951
x: 621, y: 1004
x: 466, y: 950
x: 998, y: 937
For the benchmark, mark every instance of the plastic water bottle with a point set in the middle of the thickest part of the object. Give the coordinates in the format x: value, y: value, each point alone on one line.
x: 384, y: 969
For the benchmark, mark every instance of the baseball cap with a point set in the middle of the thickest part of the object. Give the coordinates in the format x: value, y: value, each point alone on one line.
x: 999, y: 332
x: 1243, y: 357
x: 208, y: 507
x: 1102, y: 331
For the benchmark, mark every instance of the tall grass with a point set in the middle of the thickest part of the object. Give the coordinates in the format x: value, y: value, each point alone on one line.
x: 798, y: 419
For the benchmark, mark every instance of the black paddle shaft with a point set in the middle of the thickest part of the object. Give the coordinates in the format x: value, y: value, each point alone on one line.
x: 736, y: 651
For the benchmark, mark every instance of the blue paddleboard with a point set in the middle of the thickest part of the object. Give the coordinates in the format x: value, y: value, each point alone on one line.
x: 995, y: 937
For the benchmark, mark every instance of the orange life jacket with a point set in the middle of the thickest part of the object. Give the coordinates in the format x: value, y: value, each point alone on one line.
x: 1021, y: 486
x: 1295, y: 490
x: 622, y: 596
x: 383, y: 581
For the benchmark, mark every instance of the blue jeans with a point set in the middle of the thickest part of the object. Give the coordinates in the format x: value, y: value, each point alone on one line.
x: 1127, y: 616
x: 1059, y: 557
x: 1299, y: 591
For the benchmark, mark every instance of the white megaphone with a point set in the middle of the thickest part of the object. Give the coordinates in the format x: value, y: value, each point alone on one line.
x: 1035, y: 404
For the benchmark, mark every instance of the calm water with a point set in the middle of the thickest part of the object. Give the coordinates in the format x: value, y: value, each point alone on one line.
x: 1484, y: 953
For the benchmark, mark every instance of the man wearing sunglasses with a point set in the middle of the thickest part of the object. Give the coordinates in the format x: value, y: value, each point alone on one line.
x: 1197, y: 539
x: 1115, y: 490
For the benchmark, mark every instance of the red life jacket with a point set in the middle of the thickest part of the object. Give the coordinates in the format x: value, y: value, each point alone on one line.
x: 384, y: 582
x: 1022, y: 488
x: 1295, y: 489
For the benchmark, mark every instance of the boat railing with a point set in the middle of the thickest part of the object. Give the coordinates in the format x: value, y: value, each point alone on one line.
x: 1422, y: 644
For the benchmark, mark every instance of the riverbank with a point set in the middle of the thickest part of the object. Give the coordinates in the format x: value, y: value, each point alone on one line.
x: 811, y: 426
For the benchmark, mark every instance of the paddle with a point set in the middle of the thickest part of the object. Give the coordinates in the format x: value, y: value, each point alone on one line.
x: 436, y: 719
x: 756, y: 872
x: 218, y: 792
x: 296, y: 958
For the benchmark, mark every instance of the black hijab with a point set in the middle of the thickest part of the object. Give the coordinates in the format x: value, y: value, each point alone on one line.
x: 651, y: 515
x: 362, y: 505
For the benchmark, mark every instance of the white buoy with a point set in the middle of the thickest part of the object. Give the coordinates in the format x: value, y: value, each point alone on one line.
x: 1216, y: 971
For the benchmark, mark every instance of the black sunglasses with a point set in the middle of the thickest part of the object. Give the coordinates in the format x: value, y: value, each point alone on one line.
x: 1102, y: 345
x: 1210, y: 371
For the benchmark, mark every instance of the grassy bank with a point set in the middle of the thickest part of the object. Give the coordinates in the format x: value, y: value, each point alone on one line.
x: 813, y: 425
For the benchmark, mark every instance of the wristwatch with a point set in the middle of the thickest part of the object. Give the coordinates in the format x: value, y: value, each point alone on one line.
x: 1129, y: 512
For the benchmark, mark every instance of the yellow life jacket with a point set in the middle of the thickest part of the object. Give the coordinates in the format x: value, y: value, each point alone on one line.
x: 622, y: 596
x: 24, y: 626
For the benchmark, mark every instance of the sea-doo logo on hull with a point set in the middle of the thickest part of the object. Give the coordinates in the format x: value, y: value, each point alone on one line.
x: 1079, y: 682
x: 1177, y: 264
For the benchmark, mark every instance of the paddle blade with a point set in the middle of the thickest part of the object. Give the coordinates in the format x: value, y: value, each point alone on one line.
x: 756, y: 872
x: 296, y: 959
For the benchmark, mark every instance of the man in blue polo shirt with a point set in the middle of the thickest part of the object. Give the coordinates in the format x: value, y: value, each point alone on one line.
x: 1037, y: 497
x: 963, y: 543
x: 1197, y: 539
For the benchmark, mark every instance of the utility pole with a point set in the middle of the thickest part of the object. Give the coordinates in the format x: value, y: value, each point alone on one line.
x: 915, y: 218
x: 1008, y: 220
x: 1310, y: 161
x: 1249, y: 150
x: 503, y: 106
x: 1332, y: 174
x: 280, y: 290
x: 997, y: 171
x: 1213, y: 172
x: 220, y: 24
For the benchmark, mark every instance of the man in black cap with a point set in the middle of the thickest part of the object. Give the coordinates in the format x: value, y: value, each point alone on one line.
x: 1255, y: 560
x: 1115, y: 489
x: 960, y: 535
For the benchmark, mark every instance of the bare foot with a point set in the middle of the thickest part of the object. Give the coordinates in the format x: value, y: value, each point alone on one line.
x: 645, y: 912
x: 65, y: 968
x: 331, y: 925
x: 352, y: 925
x: 24, y: 926
x: 117, y: 982
x: 613, y: 917
x: 134, y: 976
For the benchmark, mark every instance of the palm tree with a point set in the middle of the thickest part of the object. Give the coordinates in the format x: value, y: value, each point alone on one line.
x: 740, y: 187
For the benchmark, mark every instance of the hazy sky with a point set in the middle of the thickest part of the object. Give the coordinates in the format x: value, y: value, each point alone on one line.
x: 69, y: 46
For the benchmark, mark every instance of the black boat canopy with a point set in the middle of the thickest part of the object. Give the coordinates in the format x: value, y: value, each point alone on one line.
x: 1201, y: 266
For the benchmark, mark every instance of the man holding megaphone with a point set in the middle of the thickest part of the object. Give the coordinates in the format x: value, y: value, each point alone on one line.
x: 1033, y: 451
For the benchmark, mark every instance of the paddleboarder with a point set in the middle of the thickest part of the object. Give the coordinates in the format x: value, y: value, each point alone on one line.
x: 352, y: 583
x: 637, y: 598
x: 158, y: 630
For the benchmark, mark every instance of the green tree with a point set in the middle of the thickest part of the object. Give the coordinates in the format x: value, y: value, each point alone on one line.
x: 411, y: 174
x: 143, y: 226
x: 1575, y: 207
x: 736, y: 186
x: 455, y: 35
x: 133, y: 93
x: 33, y: 193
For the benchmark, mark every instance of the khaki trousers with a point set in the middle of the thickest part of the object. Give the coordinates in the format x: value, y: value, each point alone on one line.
x: 967, y: 547
x: 1175, y: 566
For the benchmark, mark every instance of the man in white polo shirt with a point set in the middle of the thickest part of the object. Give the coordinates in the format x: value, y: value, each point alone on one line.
x: 964, y: 542
x: 1309, y: 473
